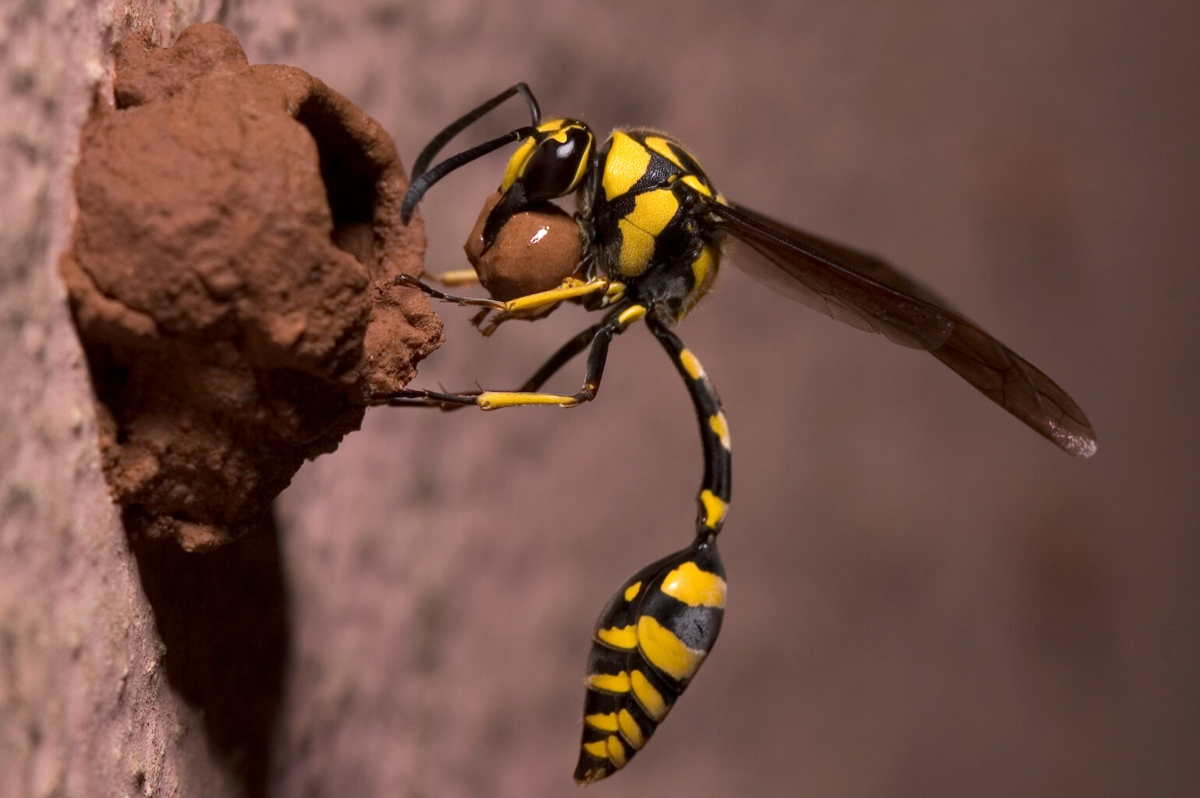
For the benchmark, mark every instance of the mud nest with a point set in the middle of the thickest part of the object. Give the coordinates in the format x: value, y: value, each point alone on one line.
x: 230, y: 279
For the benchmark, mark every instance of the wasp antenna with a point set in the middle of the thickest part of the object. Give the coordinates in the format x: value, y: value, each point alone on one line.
x: 459, y: 125
x: 426, y: 180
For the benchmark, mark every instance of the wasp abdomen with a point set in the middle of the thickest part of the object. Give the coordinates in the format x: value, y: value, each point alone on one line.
x: 649, y: 642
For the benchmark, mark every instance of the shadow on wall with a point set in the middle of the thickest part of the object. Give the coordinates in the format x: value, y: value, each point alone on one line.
x: 223, y: 617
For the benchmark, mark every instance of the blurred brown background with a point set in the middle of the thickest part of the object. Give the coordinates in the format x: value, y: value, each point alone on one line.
x: 926, y: 598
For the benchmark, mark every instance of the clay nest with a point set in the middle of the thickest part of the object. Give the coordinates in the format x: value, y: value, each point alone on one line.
x: 230, y: 279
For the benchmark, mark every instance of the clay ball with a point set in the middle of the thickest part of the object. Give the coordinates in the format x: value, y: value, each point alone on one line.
x: 535, y: 251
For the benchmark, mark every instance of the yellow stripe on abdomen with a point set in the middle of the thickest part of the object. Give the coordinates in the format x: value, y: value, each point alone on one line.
x: 667, y: 652
x: 605, y: 722
x: 616, y: 752
x: 608, y: 682
x: 630, y: 730
x: 648, y: 696
x: 623, y: 638
x: 694, y: 587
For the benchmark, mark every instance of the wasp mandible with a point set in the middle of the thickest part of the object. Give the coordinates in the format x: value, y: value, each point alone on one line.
x: 653, y: 231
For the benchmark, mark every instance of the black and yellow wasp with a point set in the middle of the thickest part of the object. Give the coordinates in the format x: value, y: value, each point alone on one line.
x: 653, y: 231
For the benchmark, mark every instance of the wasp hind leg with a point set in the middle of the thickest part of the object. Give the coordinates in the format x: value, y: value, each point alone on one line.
x: 660, y: 625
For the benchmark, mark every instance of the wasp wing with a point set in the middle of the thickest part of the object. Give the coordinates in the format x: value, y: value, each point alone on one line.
x: 867, y: 293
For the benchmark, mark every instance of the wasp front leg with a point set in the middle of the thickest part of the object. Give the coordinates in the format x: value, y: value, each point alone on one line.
x: 524, y: 306
x: 571, y: 288
x: 661, y: 624
x: 455, y: 278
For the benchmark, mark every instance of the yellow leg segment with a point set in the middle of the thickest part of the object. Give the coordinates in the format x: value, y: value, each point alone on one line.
x: 454, y: 277
x: 493, y: 400
x: 571, y: 288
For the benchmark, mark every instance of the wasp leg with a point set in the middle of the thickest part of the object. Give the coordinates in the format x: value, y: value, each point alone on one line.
x: 571, y: 288
x: 663, y: 621
x: 408, y: 281
x: 559, y: 359
x: 454, y: 277
x: 599, y: 336
x: 542, y: 303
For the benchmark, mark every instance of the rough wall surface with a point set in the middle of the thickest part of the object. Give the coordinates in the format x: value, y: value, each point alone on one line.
x: 85, y: 704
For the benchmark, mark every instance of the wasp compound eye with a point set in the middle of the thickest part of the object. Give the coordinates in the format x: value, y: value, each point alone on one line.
x: 557, y: 165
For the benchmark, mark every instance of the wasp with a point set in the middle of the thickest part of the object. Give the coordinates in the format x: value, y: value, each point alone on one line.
x: 654, y: 232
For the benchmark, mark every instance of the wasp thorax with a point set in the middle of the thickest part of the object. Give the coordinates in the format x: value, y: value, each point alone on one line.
x: 534, y: 251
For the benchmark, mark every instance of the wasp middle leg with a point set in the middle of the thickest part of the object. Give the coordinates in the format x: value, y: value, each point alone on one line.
x: 598, y: 337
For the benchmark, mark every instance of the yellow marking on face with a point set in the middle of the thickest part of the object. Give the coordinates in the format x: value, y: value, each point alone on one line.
x: 630, y: 730
x: 648, y: 696
x: 608, y: 682
x: 630, y: 315
x: 697, y: 184
x: 694, y: 587
x: 598, y: 749
x: 516, y: 164
x: 494, y: 400
x: 552, y: 126
x: 663, y: 148
x: 625, y: 637
x: 720, y: 426
x: 691, y: 365
x: 626, y: 163
x: 616, y: 751
x: 666, y: 651
x: 606, y: 722
x: 632, y: 591
x: 714, y: 508
x: 636, y: 248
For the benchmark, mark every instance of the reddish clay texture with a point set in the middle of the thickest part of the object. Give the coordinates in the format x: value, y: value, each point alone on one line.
x: 230, y: 278
x: 535, y: 251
